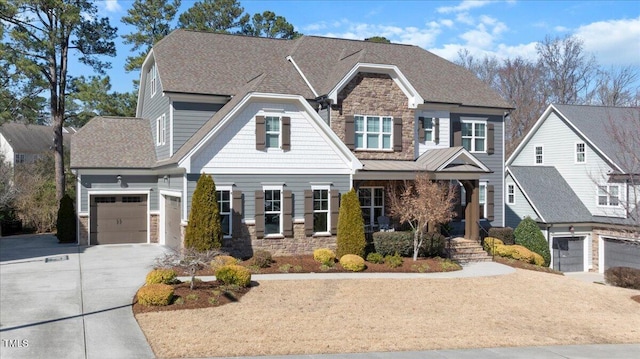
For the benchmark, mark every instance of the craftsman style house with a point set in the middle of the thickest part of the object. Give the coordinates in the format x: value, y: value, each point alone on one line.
x: 576, y: 173
x: 285, y: 127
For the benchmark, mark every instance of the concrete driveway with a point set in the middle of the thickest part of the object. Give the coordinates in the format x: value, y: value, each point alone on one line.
x: 66, y: 301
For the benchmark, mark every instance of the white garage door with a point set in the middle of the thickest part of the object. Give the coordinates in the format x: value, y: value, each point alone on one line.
x: 621, y: 253
x: 172, y: 237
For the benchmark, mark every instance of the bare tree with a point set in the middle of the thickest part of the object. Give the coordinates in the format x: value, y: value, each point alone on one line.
x: 7, y: 188
x: 424, y: 204
x: 189, y: 260
x: 613, y: 86
x: 485, y: 69
x: 568, y: 70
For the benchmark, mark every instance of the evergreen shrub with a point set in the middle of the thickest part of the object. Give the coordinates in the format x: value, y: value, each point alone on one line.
x: 155, y: 294
x: 505, y: 234
x: 204, y: 231
x: 350, y: 238
x: 66, y: 222
x: 161, y: 275
x: 324, y: 256
x: 529, y: 235
x: 352, y: 262
x: 389, y: 243
x: 234, y: 274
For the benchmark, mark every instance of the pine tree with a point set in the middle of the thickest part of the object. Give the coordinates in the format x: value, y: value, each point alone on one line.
x: 350, y: 226
x: 204, y: 231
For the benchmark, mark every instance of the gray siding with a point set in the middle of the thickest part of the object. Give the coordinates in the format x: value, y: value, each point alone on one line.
x: 324, y: 114
x: 152, y: 108
x: 493, y: 161
x: 248, y: 184
x: 173, y: 183
x: 109, y: 183
x: 188, y: 117
x: 514, y: 213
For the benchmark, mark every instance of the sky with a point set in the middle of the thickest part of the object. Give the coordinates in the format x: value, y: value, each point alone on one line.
x: 610, y: 30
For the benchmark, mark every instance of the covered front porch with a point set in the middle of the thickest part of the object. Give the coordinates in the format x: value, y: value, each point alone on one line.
x: 455, y: 165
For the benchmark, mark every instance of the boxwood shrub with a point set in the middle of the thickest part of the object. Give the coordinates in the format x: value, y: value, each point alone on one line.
x: 161, y: 275
x: 234, y: 274
x: 155, y: 294
x: 352, y: 262
x: 625, y: 277
x: 390, y: 243
x: 529, y: 235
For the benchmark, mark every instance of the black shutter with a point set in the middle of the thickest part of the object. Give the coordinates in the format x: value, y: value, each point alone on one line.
x: 457, y: 133
x: 491, y: 139
x: 286, y: 133
x: 490, y: 203
x: 259, y: 213
x: 236, y: 204
x: 436, y: 130
x: 349, y: 132
x: 287, y: 214
x: 308, y: 212
x: 261, y: 136
x: 335, y: 210
x: 420, y: 129
x: 397, y: 134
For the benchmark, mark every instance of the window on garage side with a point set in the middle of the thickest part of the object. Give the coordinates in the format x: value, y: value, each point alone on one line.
x: 608, y: 195
x: 224, y: 208
x: 538, y: 155
x: 580, y: 153
x: 511, y: 194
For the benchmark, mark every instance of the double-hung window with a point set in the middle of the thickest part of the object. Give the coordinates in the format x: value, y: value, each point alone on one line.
x: 371, y: 204
x: 224, y: 208
x: 373, y: 132
x: 161, y: 130
x: 272, y: 131
x: 272, y: 211
x: 427, y: 126
x: 511, y: 194
x: 483, y: 200
x: 539, y: 155
x: 581, y: 155
x: 321, y: 212
x: 153, y: 80
x: 474, y: 135
x: 609, y: 195
x: 19, y: 158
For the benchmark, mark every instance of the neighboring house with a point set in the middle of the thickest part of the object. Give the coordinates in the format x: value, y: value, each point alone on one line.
x: 285, y: 127
x: 20, y: 143
x: 576, y: 173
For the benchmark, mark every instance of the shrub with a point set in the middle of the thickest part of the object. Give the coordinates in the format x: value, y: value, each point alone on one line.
x: 448, y: 265
x: 155, y: 294
x: 389, y: 243
x: 393, y: 261
x: 234, y: 274
x: 375, y: 258
x: 352, y: 262
x: 162, y: 275
x: 204, y: 231
x: 625, y: 277
x: 285, y: 268
x: 350, y: 238
x: 222, y: 260
x: 66, y: 222
x: 505, y: 234
x: 537, y: 259
x: 520, y: 253
x: 262, y: 258
x: 528, y: 234
x: 324, y: 256
x: 490, y: 243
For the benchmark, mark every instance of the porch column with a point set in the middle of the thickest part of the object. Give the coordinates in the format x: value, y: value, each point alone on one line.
x: 472, y: 209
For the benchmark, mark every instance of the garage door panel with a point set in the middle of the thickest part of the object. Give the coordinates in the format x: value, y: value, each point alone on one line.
x: 621, y: 253
x: 568, y: 254
x: 118, y: 219
x: 172, y: 230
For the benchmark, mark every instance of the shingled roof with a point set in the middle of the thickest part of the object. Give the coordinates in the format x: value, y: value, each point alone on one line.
x: 30, y: 138
x: 218, y: 64
x: 113, y: 142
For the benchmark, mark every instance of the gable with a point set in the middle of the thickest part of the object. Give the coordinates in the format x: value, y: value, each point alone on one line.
x: 231, y: 146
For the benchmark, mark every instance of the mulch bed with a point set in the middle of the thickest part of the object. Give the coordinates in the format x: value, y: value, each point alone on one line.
x: 522, y: 265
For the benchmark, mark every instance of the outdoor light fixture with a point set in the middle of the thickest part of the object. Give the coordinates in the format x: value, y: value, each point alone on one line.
x: 119, y: 178
x: 165, y: 178
x: 571, y: 229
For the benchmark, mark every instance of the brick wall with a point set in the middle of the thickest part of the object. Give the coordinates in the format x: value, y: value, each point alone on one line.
x: 375, y: 94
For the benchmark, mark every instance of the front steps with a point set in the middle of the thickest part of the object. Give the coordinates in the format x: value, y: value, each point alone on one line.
x: 466, y: 251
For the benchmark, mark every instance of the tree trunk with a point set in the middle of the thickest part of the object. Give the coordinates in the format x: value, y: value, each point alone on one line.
x: 59, y: 155
x: 416, y: 244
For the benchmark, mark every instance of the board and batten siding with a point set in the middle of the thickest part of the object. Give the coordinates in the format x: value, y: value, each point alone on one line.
x: 233, y: 150
x: 154, y: 107
x: 109, y: 183
x: 558, y: 141
x: 493, y: 161
x: 188, y: 117
x: 514, y: 213
x: 295, y: 183
x: 444, y: 129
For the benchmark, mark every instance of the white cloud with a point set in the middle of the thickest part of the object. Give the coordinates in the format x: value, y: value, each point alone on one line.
x: 463, y: 6
x: 423, y: 37
x: 613, y: 42
x: 112, y: 6
x: 561, y: 29
x: 447, y: 22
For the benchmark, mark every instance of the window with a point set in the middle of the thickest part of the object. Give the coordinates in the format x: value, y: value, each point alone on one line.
x: 483, y: 200
x: 161, y: 130
x: 608, y: 195
x: 272, y: 211
x: 581, y: 156
x: 224, y: 207
x: 371, y: 204
x: 105, y: 199
x: 272, y: 131
x: 427, y: 125
x: 321, y: 211
x: 132, y: 199
x: 19, y: 158
x: 373, y: 132
x: 474, y: 136
x: 153, y: 79
x: 538, y: 155
x: 511, y: 194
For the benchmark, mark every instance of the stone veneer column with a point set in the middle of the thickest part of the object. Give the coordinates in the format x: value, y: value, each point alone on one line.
x: 83, y: 230
x: 154, y: 223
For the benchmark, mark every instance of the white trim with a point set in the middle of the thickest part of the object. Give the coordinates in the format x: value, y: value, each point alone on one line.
x: 463, y: 151
x: 328, y: 189
x: 280, y: 188
x: 576, y: 235
x: 108, y: 192
x: 228, y: 188
x: 290, y: 59
x: 473, y: 121
x: 503, y: 167
x: 380, y: 133
x: 170, y: 127
x: 620, y: 188
x: 575, y: 153
x: 143, y: 81
x: 512, y: 186
x: 78, y: 209
x: 413, y: 97
x: 524, y: 193
x: 185, y: 189
x: 317, y: 121
x: 535, y: 155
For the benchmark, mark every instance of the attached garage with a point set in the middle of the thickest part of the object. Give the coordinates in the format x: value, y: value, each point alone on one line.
x: 568, y: 254
x: 116, y: 219
x: 172, y: 219
x: 621, y: 253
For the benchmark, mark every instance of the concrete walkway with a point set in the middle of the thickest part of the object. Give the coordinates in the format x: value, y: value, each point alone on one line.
x: 65, y: 301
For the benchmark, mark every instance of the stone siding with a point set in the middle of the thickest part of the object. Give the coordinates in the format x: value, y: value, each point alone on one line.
x: 83, y: 230
x: 154, y: 225
x: 375, y: 94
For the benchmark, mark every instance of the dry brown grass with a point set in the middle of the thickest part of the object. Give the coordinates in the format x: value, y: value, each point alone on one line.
x: 338, y: 316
